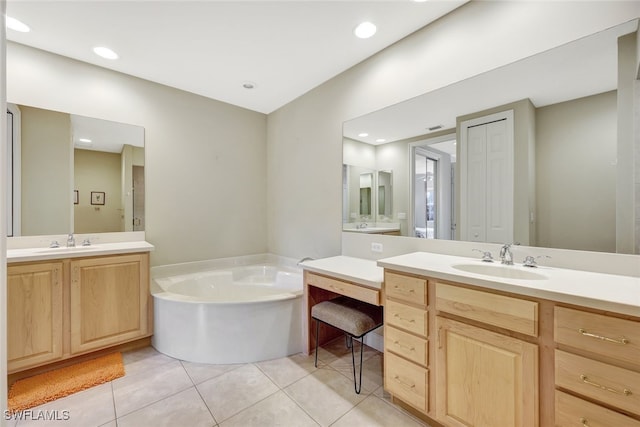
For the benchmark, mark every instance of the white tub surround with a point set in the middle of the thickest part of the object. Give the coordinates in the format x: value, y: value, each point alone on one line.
x: 232, y: 310
x: 615, y: 293
x: 362, y: 271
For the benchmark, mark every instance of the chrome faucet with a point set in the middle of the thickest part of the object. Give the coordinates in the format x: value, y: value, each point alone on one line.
x: 71, y: 241
x: 505, y: 254
x: 362, y: 225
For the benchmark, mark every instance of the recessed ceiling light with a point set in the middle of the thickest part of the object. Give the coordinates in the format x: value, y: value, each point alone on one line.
x: 380, y: 140
x: 249, y: 85
x: 105, y: 52
x: 365, y: 30
x: 419, y: 1
x: 15, y: 25
x: 363, y: 134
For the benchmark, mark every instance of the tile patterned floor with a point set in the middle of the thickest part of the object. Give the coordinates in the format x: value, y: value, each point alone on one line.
x: 161, y: 391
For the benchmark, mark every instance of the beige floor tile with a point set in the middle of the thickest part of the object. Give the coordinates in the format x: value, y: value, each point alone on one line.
x: 337, y: 349
x: 371, y: 371
x: 200, y: 372
x: 182, y: 409
x: 110, y: 424
x: 372, y: 412
x: 133, y: 392
x: 287, y: 370
x: 326, y: 395
x: 276, y: 410
x: 230, y: 393
x: 140, y: 360
x: 91, y: 407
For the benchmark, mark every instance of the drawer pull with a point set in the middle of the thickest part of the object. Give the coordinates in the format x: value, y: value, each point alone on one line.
x: 612, y: 390
x: 584, y: 421
x: 623, y: 340
x: 397, y: 316
x: 406, y: 347
x: 399, y: 289
x: 397, y: 378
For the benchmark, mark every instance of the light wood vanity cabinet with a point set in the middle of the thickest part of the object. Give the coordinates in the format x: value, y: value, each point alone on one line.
x: 109, y: 301
x: 597, y: 369
x: 34, y: 314
x: 483, y: 377
x: 406, y: 373
x: 64, y: 308
x: 464, y: 355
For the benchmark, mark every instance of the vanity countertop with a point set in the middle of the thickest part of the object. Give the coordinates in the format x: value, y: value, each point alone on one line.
x: 362, y: 271
x: 43, y: 254
x: 620, y: 294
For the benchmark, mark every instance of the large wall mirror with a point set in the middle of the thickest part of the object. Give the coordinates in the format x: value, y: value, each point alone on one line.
x: 565, y: 112
x: 72, y: 173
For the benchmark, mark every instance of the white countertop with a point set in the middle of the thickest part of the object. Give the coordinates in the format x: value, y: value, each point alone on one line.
x: 362, y: 271
x: 42, y: 254
x: 620, y: 294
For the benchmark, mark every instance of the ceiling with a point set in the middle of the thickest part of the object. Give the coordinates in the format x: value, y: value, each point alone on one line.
x: 211, y: 48
x: 587, y: 66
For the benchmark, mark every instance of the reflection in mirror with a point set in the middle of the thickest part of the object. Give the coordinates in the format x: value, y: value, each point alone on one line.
x: 573, y: 141
x: 385, y: 193
x: 366, y: 182
x: 76, y: 174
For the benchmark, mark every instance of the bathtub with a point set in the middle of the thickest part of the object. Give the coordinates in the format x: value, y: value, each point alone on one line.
x: 237, y: 310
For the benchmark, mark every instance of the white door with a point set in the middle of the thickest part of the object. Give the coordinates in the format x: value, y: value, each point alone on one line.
x: 486, y: 179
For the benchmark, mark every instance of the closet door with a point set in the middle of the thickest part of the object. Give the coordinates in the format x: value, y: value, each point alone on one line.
x: 486, y: 179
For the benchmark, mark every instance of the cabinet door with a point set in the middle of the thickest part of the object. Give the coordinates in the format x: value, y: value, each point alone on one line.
x: 109, y: 301
x: 34, y: 314
x: 484, y: 379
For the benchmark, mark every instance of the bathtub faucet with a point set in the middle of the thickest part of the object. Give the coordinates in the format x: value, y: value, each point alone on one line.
x: 304, y: 259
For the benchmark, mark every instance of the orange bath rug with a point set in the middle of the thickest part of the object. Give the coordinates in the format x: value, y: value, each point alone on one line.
x: 43, y: 388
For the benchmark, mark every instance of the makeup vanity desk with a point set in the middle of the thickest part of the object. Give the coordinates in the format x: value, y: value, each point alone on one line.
x: 329, y: 278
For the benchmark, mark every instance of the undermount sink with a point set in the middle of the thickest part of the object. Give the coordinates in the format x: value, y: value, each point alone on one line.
x: 504, y: 271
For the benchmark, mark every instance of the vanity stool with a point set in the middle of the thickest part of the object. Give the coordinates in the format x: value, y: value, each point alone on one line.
x: 355, y: 318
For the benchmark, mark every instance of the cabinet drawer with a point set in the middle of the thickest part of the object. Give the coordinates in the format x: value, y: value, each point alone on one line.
x: 372, y: 296
x: 609, y: 384
x: 405, y: 317
x: 406, y: 381
x: 604, y: 335
x: 410, y: 289
x: 572, y: 411
x: 505, y: 312
x: 406, y: 345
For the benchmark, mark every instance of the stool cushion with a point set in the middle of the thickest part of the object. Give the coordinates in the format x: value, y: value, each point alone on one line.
x: 350, y: 315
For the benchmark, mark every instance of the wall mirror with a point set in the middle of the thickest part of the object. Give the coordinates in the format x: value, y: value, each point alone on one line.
x: 73, y: 174
x: 564, y: 175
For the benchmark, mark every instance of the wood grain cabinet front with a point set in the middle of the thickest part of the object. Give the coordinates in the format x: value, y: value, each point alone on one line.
x: 484, y: 378
x: 34, y: 314
x: 109, y: 301
x: 60, y: 309
x: 597, y: 359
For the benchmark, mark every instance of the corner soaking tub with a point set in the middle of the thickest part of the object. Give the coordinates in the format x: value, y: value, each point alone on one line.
x: 237, y: 314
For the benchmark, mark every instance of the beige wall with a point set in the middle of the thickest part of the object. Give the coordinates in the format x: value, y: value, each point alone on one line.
x: 581, y: 132
x: 46, y: 172
x: 304, y: 220
x: 205, y: 160
x: 97, y: 171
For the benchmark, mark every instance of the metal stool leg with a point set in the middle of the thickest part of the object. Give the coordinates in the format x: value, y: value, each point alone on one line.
x: 317, y: 333
x: 357, y: 387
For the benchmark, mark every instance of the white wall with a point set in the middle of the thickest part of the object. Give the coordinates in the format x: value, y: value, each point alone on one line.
x: 3, y: 224
x: 579, y: 132
x: 305, y: 136
x: 205, y: 160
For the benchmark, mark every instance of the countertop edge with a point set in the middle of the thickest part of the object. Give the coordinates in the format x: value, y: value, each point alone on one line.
x: 29, y: 255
